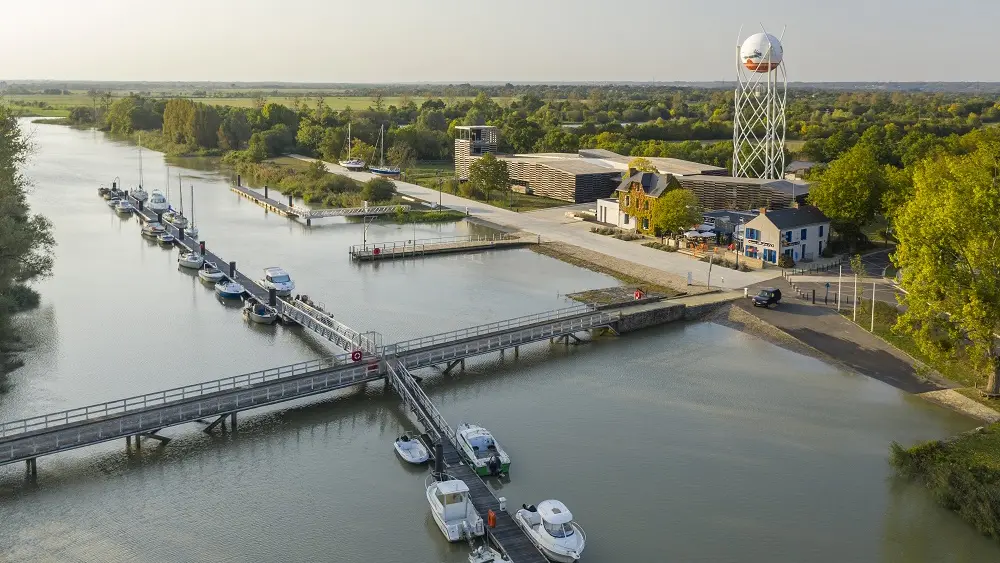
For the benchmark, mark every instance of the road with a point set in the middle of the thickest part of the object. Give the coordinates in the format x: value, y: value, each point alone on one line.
x: 553, y: 225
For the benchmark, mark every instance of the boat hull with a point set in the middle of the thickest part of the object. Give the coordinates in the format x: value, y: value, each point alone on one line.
x: 165, y: 242
x: 268, y: 319
x: 228, y: 294
x: 484, y: 471
x: 214, y: 277
x: 190, y: 264
x: 415, y: 454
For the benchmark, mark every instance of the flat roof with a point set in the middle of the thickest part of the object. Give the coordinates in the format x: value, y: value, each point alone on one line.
x: 468, y: 127
x: 573, y: 165
x: 785, y: 186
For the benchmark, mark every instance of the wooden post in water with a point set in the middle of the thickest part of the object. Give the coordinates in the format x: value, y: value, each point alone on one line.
x: 272, y: 297
x: 239, y: 181
x: 180, y: 235
x: 289, y: 200
x: 232, y: 270
x: 265, y: 190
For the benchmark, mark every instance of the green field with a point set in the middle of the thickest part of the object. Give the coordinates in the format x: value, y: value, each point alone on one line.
x: 56, y: 105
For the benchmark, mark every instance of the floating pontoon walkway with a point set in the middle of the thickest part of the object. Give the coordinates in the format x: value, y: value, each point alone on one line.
x: 292, y: 211
x: 428, y: 247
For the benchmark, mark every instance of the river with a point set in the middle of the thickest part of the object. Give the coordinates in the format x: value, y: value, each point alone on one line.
x: 692, y: 442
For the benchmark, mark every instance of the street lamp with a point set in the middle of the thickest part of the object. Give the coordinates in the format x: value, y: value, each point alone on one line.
x: 368, y: 219
x: 739, y: 243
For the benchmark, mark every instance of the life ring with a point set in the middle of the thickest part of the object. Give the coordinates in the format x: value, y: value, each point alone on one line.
x: 376, y: 251
x: 356, y: 355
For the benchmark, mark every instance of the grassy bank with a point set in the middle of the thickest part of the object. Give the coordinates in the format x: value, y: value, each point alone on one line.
x: 649, y: 286
x: 962, y: 473
x: 441, y: 177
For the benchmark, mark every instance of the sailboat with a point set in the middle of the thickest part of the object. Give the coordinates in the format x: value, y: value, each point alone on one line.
x: 192, y: 230
x: 382, y: 169
x: 140, y: 194
x: 354, y: 164
x: 178, y: 219
x: 168, y: 214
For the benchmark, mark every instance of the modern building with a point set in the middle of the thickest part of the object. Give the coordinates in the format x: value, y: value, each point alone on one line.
x: 727, y: 222
x: 798, y: 169
x: 726, y: 192
x: 800, y: 232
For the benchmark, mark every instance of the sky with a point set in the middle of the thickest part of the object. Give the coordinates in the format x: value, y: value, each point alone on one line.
x: 504, y: 40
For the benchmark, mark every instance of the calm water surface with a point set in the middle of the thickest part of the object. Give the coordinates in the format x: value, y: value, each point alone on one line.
x: 685, y: 443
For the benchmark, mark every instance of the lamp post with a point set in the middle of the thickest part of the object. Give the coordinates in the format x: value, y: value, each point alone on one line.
x: 368, y: 219
x: 873, y: 306
x: 739, y: 243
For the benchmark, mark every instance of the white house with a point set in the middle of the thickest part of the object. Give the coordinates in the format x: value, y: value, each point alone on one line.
x: 800, y: 232
x: 608, y: 211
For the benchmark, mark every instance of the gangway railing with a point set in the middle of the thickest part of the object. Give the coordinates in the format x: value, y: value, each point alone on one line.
x: 350, y: 211
x: 326, y: 326
x: 141, y: 402
x: 420, y: 245
x: 492, y: 328
x: 418, y: 401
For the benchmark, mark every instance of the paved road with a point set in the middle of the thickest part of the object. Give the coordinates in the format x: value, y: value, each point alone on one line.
x: 553, y: 225
x: 825, y: 330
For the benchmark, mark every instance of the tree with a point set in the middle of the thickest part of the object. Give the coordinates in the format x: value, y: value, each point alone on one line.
x: 949, y: 241
x: 257, y: 148
x: 316, y: 170
x: 642, y: 165
x: 26, y: 240
x: 378, y: 190
x: 675, y: 212
x: 850, y: 191
x: 401, y: 156
x: 489, y: 174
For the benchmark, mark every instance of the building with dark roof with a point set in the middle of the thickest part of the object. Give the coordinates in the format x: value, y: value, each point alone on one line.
x: 800, y: 232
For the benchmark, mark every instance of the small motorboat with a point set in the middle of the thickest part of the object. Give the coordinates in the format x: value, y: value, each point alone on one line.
x: 152, y: 229
x: 113, y: 201
x: 228, y: 289
x: 486, y: 554
x: 552, y: 529
x: 482, y: 451
x: 176, y: 219
x: 210, y: 272
x: 257, y: 312
x: 168, y: 216
x: 140, y: 194
x: 166, y: 239
x: 108, y: 194
x: 191, y: 260
x: 453, y: 510
x: 123, y: 207
x: 411, y: 450
x: 157, y: 202
x: 278, y: 280
x: 102, y: 191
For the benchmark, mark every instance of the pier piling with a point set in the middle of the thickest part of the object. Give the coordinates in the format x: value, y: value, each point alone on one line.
x: 159, y: 218
x: 239, y: 180
x: 232, y: 269
x: 272, y: 297
x: 265, y: 190
x: 201, y: 247
x: 180, y: 235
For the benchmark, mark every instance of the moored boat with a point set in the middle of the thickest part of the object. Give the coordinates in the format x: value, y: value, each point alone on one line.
x: 257, y: 312
x: 157, y: 202
x: 228, y: 289
x: 411, y: 450
x: 165, y: 238
x: 113, y: 201
x: 453, y: 511
x: 152, y: 229
x: 102, y: 191
x: 277, y: 279
x: 210, y: 272
x: 139, y: 194
x: 486, y: 554
x: 123, y: 207
x: 482, y: 451
x: 191, y: 260
x: 551, y: 528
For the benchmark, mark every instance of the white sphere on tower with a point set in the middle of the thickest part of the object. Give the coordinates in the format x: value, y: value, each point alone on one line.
x: 761, y: 52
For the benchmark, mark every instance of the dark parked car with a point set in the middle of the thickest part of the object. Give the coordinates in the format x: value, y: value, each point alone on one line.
x: 767, y: 297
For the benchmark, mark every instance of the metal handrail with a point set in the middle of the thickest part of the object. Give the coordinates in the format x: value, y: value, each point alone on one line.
x: 322, y: 317
x: 139, y: 402
x: 452, y: 336
x: 409, y: 384
x: 343, y: 211
x: 409, y: 244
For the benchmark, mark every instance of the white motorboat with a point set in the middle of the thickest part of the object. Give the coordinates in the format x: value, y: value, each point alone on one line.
x: 210, y: 272
x: 228, y: 289
x: 165, y: 238
x: 411, y: 450
x: 486, y: 554
x: 552, y: 529
x: 453, y: 510
x: 140, y: 194
x: 152, y: 229
x: 124, y: 207
x: 482, y: 450
x: 257, y: 312
x: 191, y: 260
x: 157, y: 202
x: 278, y: 280
x: 113, y: 201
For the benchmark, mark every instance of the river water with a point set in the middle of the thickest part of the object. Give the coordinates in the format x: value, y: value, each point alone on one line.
x: 691, y: 442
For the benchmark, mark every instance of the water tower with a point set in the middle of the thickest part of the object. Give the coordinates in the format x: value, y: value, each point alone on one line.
x: 759, y: 122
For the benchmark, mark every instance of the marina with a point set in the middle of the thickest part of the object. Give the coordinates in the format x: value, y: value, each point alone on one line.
x: 746, y: 429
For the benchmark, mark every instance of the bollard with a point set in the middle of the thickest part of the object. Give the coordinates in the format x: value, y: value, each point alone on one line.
x: 272, y: 297
x: 239, y: 181
x: 232, y: 269
x: 265, y: 190
x: 159, y: 218
x: 746, y: 292
x: 814, y: 297
x: 201, y: 247
x: 140, y: 205
x: 438, y: 460
x: 180, y: 235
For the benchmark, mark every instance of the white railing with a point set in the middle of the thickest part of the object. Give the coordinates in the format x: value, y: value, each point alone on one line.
x: 351, y: 211
x: 294, y: 309
x: 159, y: 398
x: 490, y: 328
x: 411, y: 392
x: 420, y: 245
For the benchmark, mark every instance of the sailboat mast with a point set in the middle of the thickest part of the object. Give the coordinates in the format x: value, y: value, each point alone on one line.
x: 381, y: 144
x: 349, y: 143
x: 192, y: 205
x: 140, y: 160
x: 168, y: 187
x: 180, y: 188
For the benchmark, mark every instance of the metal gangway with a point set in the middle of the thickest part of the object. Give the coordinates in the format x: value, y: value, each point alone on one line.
x: 364, y: 211
x: 323, y: 324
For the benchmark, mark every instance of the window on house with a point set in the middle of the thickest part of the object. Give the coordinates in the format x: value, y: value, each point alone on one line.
x: 647, y: 205
x: 645, y: 222
x: 802, y: 235
x: 788, y: 236
x: 821, y: 230
x: 626, y: 219
x: 626, y: 201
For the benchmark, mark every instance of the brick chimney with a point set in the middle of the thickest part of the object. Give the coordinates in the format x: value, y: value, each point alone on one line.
x: 632, y: 172
x: 763, y: 211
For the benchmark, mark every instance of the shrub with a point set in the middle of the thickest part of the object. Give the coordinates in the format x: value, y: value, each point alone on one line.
x: 726, y: 262
x: 619, y: 234
x: 660, y: 246
x: 785, y: 262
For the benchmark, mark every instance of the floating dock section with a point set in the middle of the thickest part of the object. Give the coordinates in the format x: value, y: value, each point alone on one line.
x: 426, y: 247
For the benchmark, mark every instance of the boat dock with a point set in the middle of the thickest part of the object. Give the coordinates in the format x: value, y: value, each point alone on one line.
x: 393, y: 250
x: 292, y: 211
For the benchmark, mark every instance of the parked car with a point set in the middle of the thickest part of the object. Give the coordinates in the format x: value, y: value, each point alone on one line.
x: 767, y: 297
